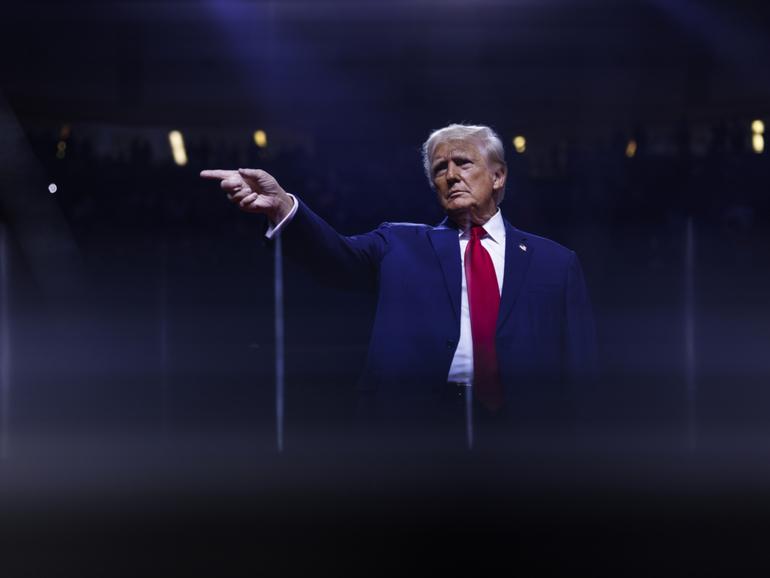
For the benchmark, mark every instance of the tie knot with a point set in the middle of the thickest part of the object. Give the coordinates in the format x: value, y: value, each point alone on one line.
x: 477, y: 232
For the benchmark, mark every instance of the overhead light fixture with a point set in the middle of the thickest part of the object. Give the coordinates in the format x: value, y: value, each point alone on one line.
x: 758, y: 136
x: 631, y: 148
x: 260, y: 138
x: 177, y: 147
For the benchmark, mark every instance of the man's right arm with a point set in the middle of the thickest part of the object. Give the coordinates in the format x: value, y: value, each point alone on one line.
x: 335, y: 259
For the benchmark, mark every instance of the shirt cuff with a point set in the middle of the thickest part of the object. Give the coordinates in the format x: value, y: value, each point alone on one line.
x: 274, y: 229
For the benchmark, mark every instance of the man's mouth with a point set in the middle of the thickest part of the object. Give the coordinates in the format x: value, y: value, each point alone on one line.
x: 455, y: 193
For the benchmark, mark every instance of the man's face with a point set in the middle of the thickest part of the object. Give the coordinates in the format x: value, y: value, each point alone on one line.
x: 464, y: 181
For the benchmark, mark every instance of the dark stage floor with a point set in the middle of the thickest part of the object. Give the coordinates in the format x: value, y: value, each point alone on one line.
x: 224, y: 505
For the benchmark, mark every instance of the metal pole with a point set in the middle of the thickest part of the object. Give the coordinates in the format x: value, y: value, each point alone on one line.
x: 689, y: 334
x: 279, y: 350
x: 5, y: 349
x: 469, y: 416
x: 163, y: 337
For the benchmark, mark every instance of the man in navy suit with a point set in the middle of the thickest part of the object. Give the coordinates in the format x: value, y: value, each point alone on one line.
x: 474, y: 317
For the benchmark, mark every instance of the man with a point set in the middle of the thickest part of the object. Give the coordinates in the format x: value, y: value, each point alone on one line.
x: 472, y: 308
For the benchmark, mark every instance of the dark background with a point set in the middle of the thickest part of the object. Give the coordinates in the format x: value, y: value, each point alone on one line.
x: 138, y: 349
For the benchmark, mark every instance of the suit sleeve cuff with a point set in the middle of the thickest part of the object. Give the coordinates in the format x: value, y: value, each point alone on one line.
x: 274, y: 229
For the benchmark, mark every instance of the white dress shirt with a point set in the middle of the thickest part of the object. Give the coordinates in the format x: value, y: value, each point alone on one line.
x: 272, y: 229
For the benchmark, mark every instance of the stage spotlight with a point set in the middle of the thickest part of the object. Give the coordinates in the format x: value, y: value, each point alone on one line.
x: 52, y: 188
x: 177, y: 147
x: 758, y: 143
x: 631, y: 148
x: 520, y: 144
x: 758, y: 127
x: 260, y: 138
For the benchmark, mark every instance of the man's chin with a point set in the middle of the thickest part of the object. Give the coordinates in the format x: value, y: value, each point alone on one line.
x: 458, y: 205
x: 453, y: 209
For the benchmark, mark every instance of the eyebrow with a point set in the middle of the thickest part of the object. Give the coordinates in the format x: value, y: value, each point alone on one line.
x: 455, y: 156
x: 438, y: 163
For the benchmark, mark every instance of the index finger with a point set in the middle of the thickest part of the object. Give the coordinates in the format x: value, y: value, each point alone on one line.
x: 217, y: 174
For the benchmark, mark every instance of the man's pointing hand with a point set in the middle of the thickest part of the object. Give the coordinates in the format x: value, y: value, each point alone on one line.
x: 254, y: 191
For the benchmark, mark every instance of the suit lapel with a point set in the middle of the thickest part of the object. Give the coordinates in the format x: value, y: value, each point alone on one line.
x: 446, y: 243
x: 518, y: 253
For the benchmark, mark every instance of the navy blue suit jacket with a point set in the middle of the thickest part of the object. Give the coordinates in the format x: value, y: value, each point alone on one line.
x: 545, y: 329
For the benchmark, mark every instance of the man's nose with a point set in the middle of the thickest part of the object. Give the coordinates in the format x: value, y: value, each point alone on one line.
x: 452, y: 172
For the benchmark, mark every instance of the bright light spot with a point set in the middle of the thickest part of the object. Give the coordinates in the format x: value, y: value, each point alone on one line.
x: 758, y: 143
x: 177, y: 147
x: 52, y: 188
x: 631, y: 148
x: 520, y: 144
x: 260, y: 139
x: 758, y: 127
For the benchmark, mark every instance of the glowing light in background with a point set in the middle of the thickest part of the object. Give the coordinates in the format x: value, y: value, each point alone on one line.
x: 52, y: 188
x: 260, y: 138
x: 758, y: 136
x: 177, y: 147
x: 520, y: 144
x: 631, y: 148
x: 61, y: 146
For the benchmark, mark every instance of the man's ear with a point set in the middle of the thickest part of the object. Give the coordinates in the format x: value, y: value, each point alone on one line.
x: 499, y: 176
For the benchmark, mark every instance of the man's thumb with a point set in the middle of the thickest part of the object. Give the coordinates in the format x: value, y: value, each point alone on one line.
x: 257, y: 174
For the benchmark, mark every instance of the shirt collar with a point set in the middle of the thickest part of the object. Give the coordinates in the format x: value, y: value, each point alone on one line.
x: 494, y: 227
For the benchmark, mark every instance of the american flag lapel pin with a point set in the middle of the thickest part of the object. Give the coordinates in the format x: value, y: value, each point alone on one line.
x: 523, y: 245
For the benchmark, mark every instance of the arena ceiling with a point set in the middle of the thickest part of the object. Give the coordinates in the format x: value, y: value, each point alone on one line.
x: 558, y: 63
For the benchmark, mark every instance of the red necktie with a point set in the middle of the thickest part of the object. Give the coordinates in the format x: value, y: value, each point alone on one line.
x: 484, y: 303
